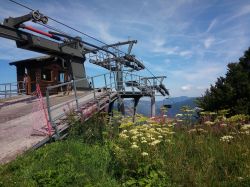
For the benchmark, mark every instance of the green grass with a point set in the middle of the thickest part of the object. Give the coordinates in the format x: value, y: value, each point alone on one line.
x: 203, y: 160
x: 65, y: 163
x: 89, y: 159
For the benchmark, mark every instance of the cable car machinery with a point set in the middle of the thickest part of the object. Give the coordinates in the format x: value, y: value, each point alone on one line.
x: 73, y: 50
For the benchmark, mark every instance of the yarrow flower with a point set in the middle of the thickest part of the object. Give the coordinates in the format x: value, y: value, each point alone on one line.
x: 200, y: 130
x: 223, y: 125
x: 245, y: 127
x: 124, y: 136
x: 226, y: 138
x: 144, y: 154
x: 133, y: 131
x: 134, y: 146
x: 152, y: 138
x: 209, y: 123
x: 192, y: 131
x: 178, y: 115
x: 134, y: 137
x: 171, y: 125
x: 155, y: 142
x: 159, y: 129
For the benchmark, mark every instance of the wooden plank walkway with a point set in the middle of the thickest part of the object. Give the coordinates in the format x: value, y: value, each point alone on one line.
x: 16, y: 122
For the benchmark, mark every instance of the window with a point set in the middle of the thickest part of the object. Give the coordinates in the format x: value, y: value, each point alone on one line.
x: 61, y: 77
x: 46, y: 74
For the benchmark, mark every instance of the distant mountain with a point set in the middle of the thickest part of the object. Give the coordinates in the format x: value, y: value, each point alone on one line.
x: 144, y: 107
x: 177, y: 104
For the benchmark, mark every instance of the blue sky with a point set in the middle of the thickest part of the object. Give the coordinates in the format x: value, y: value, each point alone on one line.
x: 189, y: 41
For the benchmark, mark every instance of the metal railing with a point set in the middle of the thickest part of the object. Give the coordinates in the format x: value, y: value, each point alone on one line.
x: 8, y: 90
x: 107, y: 83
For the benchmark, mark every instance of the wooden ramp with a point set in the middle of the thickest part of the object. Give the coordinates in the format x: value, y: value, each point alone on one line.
x: 16, y: 120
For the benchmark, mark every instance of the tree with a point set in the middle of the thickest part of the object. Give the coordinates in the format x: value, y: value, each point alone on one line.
x: 232, y: 91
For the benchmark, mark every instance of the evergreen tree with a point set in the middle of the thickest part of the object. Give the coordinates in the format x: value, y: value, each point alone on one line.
x: 231, y: 92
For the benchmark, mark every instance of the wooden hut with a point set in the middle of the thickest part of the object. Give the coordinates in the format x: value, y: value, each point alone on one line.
x: 45, y: 70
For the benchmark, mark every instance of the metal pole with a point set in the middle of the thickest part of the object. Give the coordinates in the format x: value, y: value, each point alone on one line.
x: 115, y: 81
x: 75, y: 93
x: 98, y: 104
x: 10, y: 89
x: 107, y: 86
x: 18, y: 90
x: 105, y: 81
x: 110, y: 80
x: 49, y: 113
x: 133, y: 89
x: 5, y: 93
x: 93, y: 84
x: 153, y: 105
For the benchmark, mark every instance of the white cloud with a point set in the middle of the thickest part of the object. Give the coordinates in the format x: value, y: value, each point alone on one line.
x: 186, y: 53
x: 208, y: 42
x: 186, y: 87
x: 244, y: 10
x: 10, y: 52
x: 160, y: 47
x: 201, y: 87
x: 199, y: 72
x: 104, y: 33
x: 211, y: 25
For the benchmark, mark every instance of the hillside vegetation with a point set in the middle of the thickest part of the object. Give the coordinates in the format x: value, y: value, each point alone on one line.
x: 232, y: 91
x: 149, y: 152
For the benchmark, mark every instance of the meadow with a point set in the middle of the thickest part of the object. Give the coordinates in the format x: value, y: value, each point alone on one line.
x: 213, y: 151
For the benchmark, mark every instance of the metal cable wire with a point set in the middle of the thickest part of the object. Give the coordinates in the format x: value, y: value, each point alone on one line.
x: 59, y: 22
x: 51, y: 28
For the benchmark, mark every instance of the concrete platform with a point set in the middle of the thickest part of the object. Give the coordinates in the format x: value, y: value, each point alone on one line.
x: 17, y: 122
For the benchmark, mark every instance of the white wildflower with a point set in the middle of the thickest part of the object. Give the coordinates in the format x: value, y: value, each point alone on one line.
x: 192, y: 131
x: 124, y: 136
x: 223, y: 125
x: 209, y: 123
x: 159, y: 129
x: 144, y: 154
x: 245, y: 127
x: 134, y: 137
x: 134, y: 146
x: 155, y: 142
x: 226, y: 138
x: 133, y: 131
x: 178, y: 115
x: 152, y: 138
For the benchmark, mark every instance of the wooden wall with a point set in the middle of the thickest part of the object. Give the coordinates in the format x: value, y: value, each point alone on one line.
x: 36, y: 69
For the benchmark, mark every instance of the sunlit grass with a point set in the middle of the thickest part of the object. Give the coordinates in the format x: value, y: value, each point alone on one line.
x: 144, y: 153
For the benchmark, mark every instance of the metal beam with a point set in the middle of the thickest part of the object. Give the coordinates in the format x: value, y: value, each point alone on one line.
x: 153, y: 106
x: 35, y: 43
x: 118, y: 44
